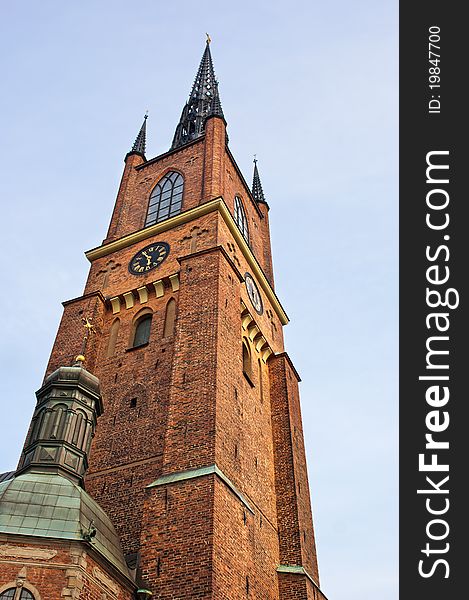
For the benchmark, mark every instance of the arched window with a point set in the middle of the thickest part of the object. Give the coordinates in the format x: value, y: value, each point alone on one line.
x: 247, y: 365
x: 240, y: 218
x: 111, y: 347
x: 170, y: 318
x: 57, y: 417
x: 44, y: 425
x: 79, y: 428
x: 142, y: 331
x: 165, y: 199
x: 16, y: 593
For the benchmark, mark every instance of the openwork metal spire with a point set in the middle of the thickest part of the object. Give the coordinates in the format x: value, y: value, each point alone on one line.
x: 204, y: 101
x: 257, y: 191
x: 141, y: 139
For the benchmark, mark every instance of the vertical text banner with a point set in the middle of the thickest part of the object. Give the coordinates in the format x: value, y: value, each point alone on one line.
x: 434, y: 268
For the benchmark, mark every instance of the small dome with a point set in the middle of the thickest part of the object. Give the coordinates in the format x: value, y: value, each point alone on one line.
x: 51, y: 506
x: 72, y: 377
x: 78, y: 374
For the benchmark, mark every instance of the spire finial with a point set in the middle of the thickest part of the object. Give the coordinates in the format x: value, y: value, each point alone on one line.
x: 141, y: 139
x: 89, y: 329
x: 209, y: 39
x: 257, y: 192
x: 204, y: 101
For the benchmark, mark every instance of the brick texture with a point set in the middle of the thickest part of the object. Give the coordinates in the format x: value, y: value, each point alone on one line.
x: 182, y: 401
x: 58, y: 569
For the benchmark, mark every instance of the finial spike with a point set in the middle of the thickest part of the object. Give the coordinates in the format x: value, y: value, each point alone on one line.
x: 257, y: 191
x: 209, y: 39
x: 141, y: 139
x: 79, y: 360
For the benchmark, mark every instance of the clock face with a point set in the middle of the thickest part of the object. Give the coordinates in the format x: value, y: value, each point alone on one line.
x: 253, y: 294
x: 149, y: 258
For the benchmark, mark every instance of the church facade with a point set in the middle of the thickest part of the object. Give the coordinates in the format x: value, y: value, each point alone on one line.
x: 165, y: 457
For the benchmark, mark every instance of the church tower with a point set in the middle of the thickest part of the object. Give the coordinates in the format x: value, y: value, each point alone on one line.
x: 198, y: 456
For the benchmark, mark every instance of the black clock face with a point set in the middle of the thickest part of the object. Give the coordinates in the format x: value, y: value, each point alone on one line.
x: 149, y: 258
x: 253, y: 294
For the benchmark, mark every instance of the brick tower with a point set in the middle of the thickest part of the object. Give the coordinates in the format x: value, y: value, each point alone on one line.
x: 198, y: 457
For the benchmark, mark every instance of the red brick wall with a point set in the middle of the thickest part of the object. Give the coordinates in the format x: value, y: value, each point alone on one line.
x: 296, y: 534
x: 69, y: 569
x: 208, y: 171
x: 177, y: 539
x: 194, y: 407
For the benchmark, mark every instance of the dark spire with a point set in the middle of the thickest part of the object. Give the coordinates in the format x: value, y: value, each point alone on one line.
x: 204, y: 101
x: 257, y: 191
x: 141, y: 139
x: 215, y: 106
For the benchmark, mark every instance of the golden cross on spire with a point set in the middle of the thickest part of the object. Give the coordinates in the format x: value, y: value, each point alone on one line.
x: 89, y: 328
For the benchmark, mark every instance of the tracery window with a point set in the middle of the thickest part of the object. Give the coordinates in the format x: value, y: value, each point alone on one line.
x: 16, y: 593
x: 240, y: 218
x: 165, y: 199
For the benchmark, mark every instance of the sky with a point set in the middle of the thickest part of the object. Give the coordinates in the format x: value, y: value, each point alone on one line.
x: 308, y: 86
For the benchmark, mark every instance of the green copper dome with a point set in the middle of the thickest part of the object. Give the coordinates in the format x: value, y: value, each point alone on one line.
x: 48, y: 505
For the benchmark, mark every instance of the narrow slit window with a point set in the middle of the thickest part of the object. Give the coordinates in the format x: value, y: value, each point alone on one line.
x: 170, y: 318
x: 111, y: 348
x: 247, y: 363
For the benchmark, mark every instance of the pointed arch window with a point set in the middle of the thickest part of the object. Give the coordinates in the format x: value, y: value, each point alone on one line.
x: 165, y: 199
x: 170, y: 318
x: 113, y: 333
x: 240, y: 218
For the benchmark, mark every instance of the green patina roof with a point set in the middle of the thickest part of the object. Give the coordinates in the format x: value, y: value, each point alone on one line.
x: 51, y: 506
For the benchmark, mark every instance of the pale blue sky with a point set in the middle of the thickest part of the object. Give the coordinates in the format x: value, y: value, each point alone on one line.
x: 311, y: 87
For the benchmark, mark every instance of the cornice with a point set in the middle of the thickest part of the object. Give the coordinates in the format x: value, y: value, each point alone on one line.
x: 299, y: 570
x: 289, y: 361
x: 96, y: 294
x: 201, y: 472
x: 217, y: 204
